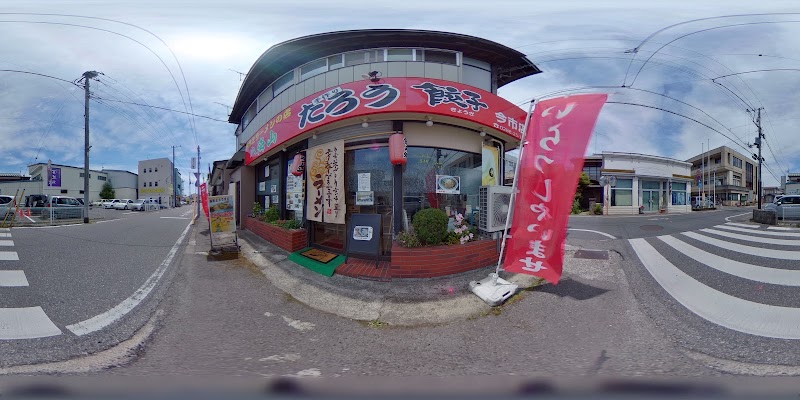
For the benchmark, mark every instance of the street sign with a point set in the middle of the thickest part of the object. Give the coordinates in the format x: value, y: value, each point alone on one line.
x: 194, y: 162
x: 197, y: 175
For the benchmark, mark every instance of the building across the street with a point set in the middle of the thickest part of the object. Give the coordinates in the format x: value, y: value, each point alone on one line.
x: 733, y: 177
x: 63, y: 180
x: 156, y: 180
x: 642, y: 183
x: 347, y: 102
x: 792, y: 184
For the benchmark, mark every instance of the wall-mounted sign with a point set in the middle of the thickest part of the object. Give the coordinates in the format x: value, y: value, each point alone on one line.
x: 294, y: 189
x: 362, y: 98
x: 54, y: 178
x: 326, y: 201
x: 490, y: 166
x: 152, y: 190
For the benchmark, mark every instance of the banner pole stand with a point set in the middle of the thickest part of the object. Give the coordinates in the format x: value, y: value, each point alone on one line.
x: 494, y: 290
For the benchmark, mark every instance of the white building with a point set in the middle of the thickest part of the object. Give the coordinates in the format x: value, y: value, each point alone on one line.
x: 64, y: 180
x: 650, y: 183
x: 124, y: 183
x: 156, y: 180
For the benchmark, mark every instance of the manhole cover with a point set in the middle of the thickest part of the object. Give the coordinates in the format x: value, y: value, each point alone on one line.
x: 651, y: 228
x: 592, y: 254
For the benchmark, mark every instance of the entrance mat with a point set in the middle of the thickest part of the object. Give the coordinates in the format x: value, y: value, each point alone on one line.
x: 326, y: 269
x: 319, y: 255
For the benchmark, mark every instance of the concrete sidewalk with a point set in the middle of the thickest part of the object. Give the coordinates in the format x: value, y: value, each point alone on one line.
x: 403, y: 302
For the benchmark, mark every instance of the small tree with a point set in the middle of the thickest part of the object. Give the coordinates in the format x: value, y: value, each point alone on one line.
x: 584, y: 182
x: 107, y: 192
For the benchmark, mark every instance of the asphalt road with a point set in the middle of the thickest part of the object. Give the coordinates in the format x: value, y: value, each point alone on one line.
x: 72, y: 281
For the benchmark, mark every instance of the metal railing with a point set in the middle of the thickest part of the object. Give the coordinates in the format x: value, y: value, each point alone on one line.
x: 34, y: 216
x: 789, y: 211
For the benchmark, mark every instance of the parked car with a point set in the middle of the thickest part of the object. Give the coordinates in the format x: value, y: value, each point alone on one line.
x: 36, y: 200
x: 6, y: 205
x: 123, y: 204
x: 80, y: 200
x: 97, y: 203
x: 143, y: 205
x: 62, y: 207
x: 110, y: 203
x: 785, y: 207
x: 6, y: 199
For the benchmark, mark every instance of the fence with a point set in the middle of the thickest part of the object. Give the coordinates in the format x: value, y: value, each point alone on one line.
x: 42, y: 216
x: 789, y: 211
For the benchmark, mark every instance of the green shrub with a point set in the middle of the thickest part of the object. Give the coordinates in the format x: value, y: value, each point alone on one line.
x: 598, y: 209
x: 408, y: 239
x: 430, y: 226
x: 257, y: 209
x: 288, y: 224
x: 272, y: 214
x: 576, y: 207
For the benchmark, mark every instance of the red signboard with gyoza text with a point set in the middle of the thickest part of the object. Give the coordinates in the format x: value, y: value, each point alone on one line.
x: 363, y: 98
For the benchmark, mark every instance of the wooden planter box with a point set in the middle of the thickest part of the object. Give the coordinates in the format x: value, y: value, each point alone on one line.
x: 290, y: 240
x: 429, y: 262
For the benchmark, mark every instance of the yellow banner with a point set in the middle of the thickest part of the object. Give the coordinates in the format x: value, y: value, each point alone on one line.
x: 490, y: 166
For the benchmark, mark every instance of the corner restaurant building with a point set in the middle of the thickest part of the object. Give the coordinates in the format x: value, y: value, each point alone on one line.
x: 337, y: 98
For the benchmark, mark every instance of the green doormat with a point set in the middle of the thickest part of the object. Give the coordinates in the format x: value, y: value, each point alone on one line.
x: 316, y: 266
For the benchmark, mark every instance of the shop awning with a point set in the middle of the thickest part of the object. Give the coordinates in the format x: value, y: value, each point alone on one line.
x: 236, y: 160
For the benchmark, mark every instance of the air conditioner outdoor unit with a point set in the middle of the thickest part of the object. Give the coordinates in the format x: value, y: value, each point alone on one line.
x: 494, y: 202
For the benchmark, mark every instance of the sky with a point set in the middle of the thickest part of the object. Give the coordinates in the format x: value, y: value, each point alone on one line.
x: 153, y: 51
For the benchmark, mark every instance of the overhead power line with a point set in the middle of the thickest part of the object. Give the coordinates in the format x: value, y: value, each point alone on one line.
x: 160, y: 108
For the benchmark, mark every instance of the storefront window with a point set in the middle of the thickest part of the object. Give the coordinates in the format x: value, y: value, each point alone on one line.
x: 268, y: 185
x: 622, y: 193
x: 370, y: 169
x: 458, y: 172
x: 678, y: 193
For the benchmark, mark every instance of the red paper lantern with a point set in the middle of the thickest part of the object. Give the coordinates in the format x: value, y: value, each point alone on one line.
x: 398, y: 149
x: 298, y: 165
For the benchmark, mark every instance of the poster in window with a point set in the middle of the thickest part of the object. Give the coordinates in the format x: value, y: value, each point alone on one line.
x: 489, y: 166
x: 273, y: 188
x: 448, y: 184
x: 365, y: 198
x: 294, y: 190
x: 364, y: 182
x: 262, y: 186
x: 325, y: 187
x: 275, y: 199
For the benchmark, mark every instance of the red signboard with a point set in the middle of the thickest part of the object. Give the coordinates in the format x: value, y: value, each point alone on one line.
x: 389, y: 95
x: 204, y: 198
x: 550, y: 167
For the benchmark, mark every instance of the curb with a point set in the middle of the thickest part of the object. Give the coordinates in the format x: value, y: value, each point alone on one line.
x: 363, y: 304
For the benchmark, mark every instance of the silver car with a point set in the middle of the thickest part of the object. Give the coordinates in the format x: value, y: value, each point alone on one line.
x: 786, y: 207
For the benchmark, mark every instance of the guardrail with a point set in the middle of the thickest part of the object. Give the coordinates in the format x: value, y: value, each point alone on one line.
x: 790, y: 211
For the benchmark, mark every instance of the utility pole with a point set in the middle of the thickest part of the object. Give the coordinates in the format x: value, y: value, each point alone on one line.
x: 174, y: 181
x: 197, y: 178
x: 87, y: 76
x: 758, y: 156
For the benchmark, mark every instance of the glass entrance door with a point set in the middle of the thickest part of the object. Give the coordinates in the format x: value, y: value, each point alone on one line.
x: 651, y: 195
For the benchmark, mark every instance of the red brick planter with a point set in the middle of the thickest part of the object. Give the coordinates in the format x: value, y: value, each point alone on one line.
x: 290, y: 240
x: 429, y: 262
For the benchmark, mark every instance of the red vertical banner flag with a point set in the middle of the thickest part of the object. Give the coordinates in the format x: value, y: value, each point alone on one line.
x: 550, y: 166
x: 204, y: 198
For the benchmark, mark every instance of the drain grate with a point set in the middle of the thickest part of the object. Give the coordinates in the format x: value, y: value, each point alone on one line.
x: 592, y: 254
x: 651, y: 228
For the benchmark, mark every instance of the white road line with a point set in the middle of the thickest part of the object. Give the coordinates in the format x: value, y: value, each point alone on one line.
x: 9, y: 256
x: 26, y: 323
x: 756, y: 239
x: 783, y: 228
x: 132, y: 212
x: 6, y: 243
x: 5, y: 234
x: 751, y: 272
x: 5, y: 229
x: 14, y: 278
x: 107, y: 220
x: 737, y: 215
x: 107, y: 318
x: 172, y: 218
x: 589, y: 230
x: 739, y: 248
x: 717, y: 307
x: 749, y: 226
x: 759, y: 231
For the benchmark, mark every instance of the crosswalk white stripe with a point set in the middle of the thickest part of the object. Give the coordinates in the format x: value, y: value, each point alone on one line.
x: 750, y: 226
x: 5, y: 234
x: 13, y: 278
x: 758, y: 232
x: 740, y: 248
x: 26, y: 323
x: 751, y: 272
x: 9, y: 256
x: 5, y: 229
x: 717, y: 307
x: 6, y: 243
x: 756, y: 239
x: 782, y: 228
